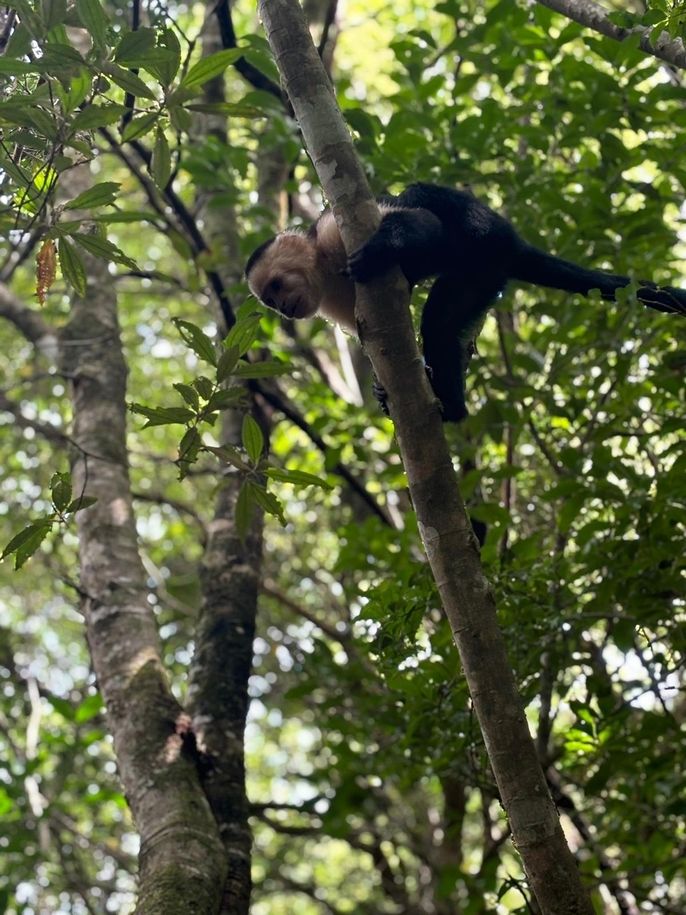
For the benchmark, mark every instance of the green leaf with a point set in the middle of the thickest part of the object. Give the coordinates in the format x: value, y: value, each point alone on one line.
x: 233, y: 109
x: 245, y: 507
x: 243, y: 333
x: 134, y: 45
x: 81, y: 502
x: 99, y: 195
x: 189, y: 394
x: 228, y: 398
x: 180, y: 119
x: 27, y: 541
x: 14, y: 113
x: 97, y: 116
x: 188, y: 450
x: 17, y: 67
x: 60, y: 58
x: 101, y: 247
x: 54, y: 12
x: 261, y: 369
x: 198, y: 341
x: 267, y: 501
x: 297, y: 477
x: 15, y: 173
x: 131, y: 216
x: 163, y: 416
x: 127, y: 81
x: 62, y: 706
x: 31, y: 20
x: 91, y: 14
x: 19, y: 44
x: 227, y: 363
x: 71, y: 266
x: 167, y: 69
x: 60, y: 488
x: 204, y: 387
x: 89, y: 708
x: 160, y: 165
x: 42, y: 121
x: 79, y: 87
x: 253, y: 439
x: 153, y: 62
x: 209, y: 67
x: 231, y: 455
x: 138, y: 127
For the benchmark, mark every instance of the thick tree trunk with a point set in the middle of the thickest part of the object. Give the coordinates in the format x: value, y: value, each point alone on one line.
x: 182, y: 863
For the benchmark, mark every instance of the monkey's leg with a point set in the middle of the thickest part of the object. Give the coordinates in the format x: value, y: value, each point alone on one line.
x: 452, y: 317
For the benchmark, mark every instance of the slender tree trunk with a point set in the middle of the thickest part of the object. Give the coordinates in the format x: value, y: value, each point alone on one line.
x: 230, y: 574
x: 387, y: 334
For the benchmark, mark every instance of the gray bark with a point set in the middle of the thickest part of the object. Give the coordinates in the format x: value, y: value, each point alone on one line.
x: 182, y: 865
x: 386, y: 332
x: 593, y: 16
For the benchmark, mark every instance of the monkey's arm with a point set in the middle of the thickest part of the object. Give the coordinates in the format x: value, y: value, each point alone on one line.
x: 410, y: 239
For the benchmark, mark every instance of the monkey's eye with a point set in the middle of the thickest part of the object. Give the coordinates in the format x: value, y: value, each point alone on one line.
x: 275, y: 285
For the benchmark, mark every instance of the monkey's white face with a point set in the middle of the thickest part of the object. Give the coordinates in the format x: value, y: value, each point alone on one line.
x: 286, y: 277
x: 291, y: 294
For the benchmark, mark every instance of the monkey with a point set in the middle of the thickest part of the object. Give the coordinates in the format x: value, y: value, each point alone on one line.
x: 428, y: 231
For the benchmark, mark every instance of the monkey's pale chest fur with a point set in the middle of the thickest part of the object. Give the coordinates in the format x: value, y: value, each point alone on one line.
x: 338, y: 298
x: 337, y: 303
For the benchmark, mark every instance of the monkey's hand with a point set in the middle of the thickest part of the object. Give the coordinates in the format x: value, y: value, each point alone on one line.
x: 451, y: 410
x: 371, y: 260
x: 379, y: 392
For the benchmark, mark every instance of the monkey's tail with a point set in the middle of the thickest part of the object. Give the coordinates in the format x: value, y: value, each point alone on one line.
x: 535, y: 266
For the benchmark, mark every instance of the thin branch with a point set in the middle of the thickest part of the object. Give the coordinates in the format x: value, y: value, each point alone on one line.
x: 181, y: 508
x: 311, y: 890
x: 329, y: 20
x: 255, y: 77
x: 184, y: 216
x: 593, y: 16
x: 272, y: 591
x: 279, y: 402
x: 21, y: 252
x: 555, y: 465
x: 50, y: 433
x: 27, y: 320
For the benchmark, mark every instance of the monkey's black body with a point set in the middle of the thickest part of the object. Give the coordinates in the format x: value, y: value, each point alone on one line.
x: 430, y: 230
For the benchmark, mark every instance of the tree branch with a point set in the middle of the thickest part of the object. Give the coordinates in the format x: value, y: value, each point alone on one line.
x: 279, y: 402
x: 27, y: 321
x: 593, y: 16
x: 250, y: 73
x: 51, y: 433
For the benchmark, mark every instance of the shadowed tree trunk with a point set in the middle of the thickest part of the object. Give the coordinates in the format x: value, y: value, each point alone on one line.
x: 182, y: 863
x: 230, y: 574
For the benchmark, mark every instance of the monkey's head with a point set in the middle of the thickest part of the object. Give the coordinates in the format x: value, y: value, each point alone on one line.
x: 285, y: 275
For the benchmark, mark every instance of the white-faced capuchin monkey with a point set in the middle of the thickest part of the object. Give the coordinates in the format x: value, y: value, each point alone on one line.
x: 427, y: 231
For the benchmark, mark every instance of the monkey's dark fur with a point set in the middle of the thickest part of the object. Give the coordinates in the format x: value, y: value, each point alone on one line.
x: 427, y: 231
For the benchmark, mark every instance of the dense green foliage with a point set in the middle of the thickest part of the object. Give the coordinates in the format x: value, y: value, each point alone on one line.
x: 371, y: 787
